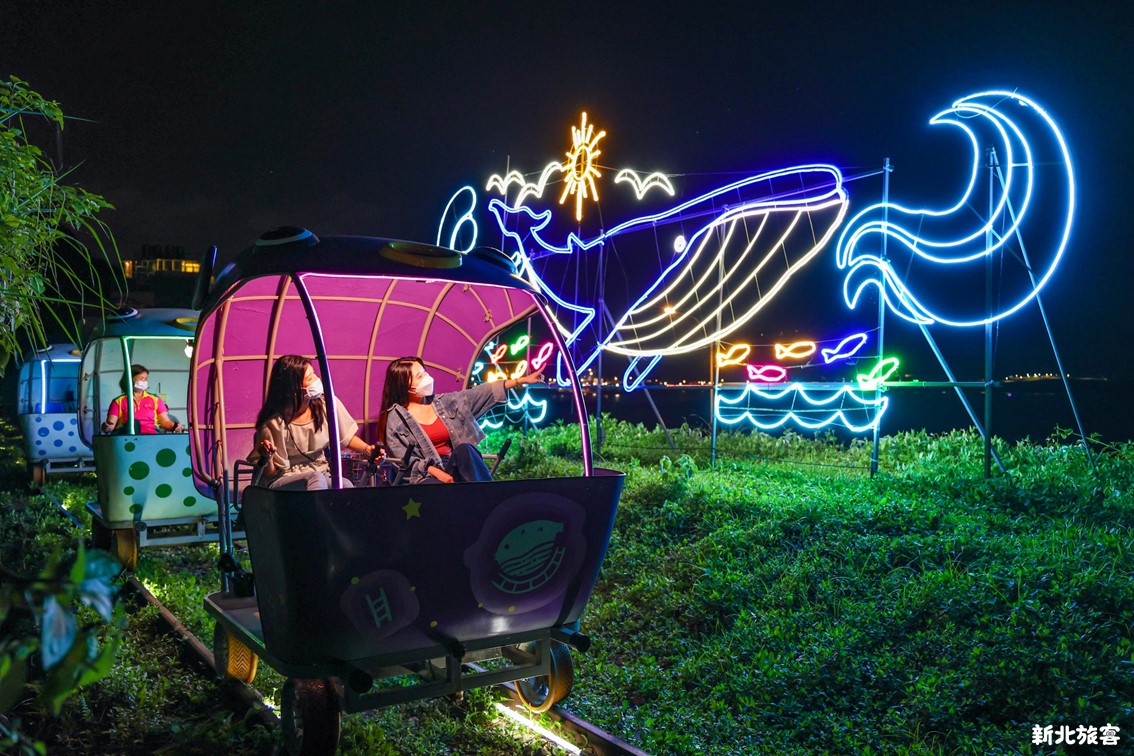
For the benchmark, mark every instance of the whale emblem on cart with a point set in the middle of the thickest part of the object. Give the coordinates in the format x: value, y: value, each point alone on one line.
x: 529, y: 556
x: 528, y: 552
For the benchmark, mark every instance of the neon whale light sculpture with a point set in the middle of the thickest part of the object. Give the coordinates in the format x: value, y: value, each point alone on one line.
x: 735, y: 263
x: 934, y: 246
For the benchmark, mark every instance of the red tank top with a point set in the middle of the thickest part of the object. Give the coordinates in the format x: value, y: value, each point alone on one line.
x: 439, y: 435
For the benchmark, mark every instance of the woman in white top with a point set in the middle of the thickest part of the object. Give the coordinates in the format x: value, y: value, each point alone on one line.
x: 292, y: 429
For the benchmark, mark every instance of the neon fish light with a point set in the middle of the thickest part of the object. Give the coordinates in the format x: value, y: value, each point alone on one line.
x: 848, y: 347
x: 766, y: 373
x: 878, y: 375
x: 800, y: 350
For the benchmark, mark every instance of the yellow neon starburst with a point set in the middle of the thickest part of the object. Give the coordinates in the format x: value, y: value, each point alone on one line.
x: 579, y: 170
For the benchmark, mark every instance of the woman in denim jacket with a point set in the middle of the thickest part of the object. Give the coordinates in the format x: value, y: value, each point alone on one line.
x: 442, y: 428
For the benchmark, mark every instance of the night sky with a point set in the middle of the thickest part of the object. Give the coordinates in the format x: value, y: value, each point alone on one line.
x: 209, y: 126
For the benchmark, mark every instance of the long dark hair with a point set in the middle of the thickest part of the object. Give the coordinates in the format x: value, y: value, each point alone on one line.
x: 399, y: 378
x: 286, y: 392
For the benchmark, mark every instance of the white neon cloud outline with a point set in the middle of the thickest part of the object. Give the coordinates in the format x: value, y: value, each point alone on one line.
x: 798, y: 350
x: 871, y: 270
x: 466, y: 217
x: 848, y: 347
x: 501, y: 183
x: 643, y: 185
x: 867, y: 404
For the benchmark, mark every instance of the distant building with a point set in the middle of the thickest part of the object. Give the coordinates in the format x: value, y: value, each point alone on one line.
x: 161, y: 276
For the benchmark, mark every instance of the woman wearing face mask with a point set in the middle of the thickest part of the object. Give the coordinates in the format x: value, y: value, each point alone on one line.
x: 442, y: 428
x: 292, y: 429
x: 150, y: 412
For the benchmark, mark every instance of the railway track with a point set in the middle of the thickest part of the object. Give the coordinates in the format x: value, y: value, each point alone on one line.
x: 575, y: 735
x: 578, y: 736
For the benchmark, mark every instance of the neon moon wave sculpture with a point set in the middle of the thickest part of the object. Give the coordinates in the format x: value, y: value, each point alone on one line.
x: 930, y: 244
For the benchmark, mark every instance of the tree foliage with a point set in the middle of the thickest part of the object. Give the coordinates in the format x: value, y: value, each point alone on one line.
x: 50, y: 232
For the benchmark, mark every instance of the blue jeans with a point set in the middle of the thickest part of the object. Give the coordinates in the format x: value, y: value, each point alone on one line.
x: 467, y: 466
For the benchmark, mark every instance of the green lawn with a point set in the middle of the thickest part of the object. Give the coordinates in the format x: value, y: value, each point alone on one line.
x: 783, y: 601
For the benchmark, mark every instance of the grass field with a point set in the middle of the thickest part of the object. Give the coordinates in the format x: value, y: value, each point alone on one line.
x: 779, y: 601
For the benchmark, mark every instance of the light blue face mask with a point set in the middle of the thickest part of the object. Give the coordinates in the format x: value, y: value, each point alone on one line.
x: 315, y: 389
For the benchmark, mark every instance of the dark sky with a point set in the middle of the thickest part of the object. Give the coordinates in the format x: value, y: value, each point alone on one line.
x: 210, y: 123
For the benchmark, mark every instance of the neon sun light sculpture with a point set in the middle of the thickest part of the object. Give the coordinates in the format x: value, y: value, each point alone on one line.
x: 730, y: 260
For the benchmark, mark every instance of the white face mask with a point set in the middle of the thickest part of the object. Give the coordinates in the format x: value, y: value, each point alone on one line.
x: 141, y: 385
x: 424, y: 385
x: 315, y: 389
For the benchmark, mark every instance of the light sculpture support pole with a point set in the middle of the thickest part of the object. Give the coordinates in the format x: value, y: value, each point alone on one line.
x: 886, y: 170
x: 714, y: 369
x: 960, y: 394
x: 600, y: 436
x: 989, y: 241
x: 1047, y: 327
x: 644, y: 389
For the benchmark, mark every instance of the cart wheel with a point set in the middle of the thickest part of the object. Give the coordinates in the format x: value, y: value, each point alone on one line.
x: 309, y: 713
x: 124, y: 545
x: 231, y: 658
x: 100, y: 535
x: 541, y: 693
x: 38, y: 474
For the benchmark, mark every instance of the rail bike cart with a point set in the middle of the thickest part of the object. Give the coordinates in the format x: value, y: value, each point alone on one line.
x: 356, y: 586
x: 146, y: 495
x: 47, y: 406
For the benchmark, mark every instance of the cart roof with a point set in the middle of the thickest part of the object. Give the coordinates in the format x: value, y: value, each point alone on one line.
x: 350, y: 305
x: 297, y: 250
x: 153, y: 321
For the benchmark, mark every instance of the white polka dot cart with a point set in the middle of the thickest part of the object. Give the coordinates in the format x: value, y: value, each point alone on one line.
x: 47, y: 406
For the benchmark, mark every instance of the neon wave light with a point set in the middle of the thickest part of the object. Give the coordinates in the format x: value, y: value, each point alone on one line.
x: 766, y: 373
x: 848, y: 347
x: 876, y: 377
x: 644, y: 185
x: 932, y: 246
x: 515, y: 411
x: 800, y: 350
x: 841, y: 407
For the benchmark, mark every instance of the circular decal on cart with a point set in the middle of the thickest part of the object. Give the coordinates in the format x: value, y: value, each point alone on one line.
x: 529, y: 550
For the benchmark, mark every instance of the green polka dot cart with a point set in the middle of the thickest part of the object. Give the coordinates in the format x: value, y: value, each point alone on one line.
x: 146, y: 495
x: 371, y: 595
